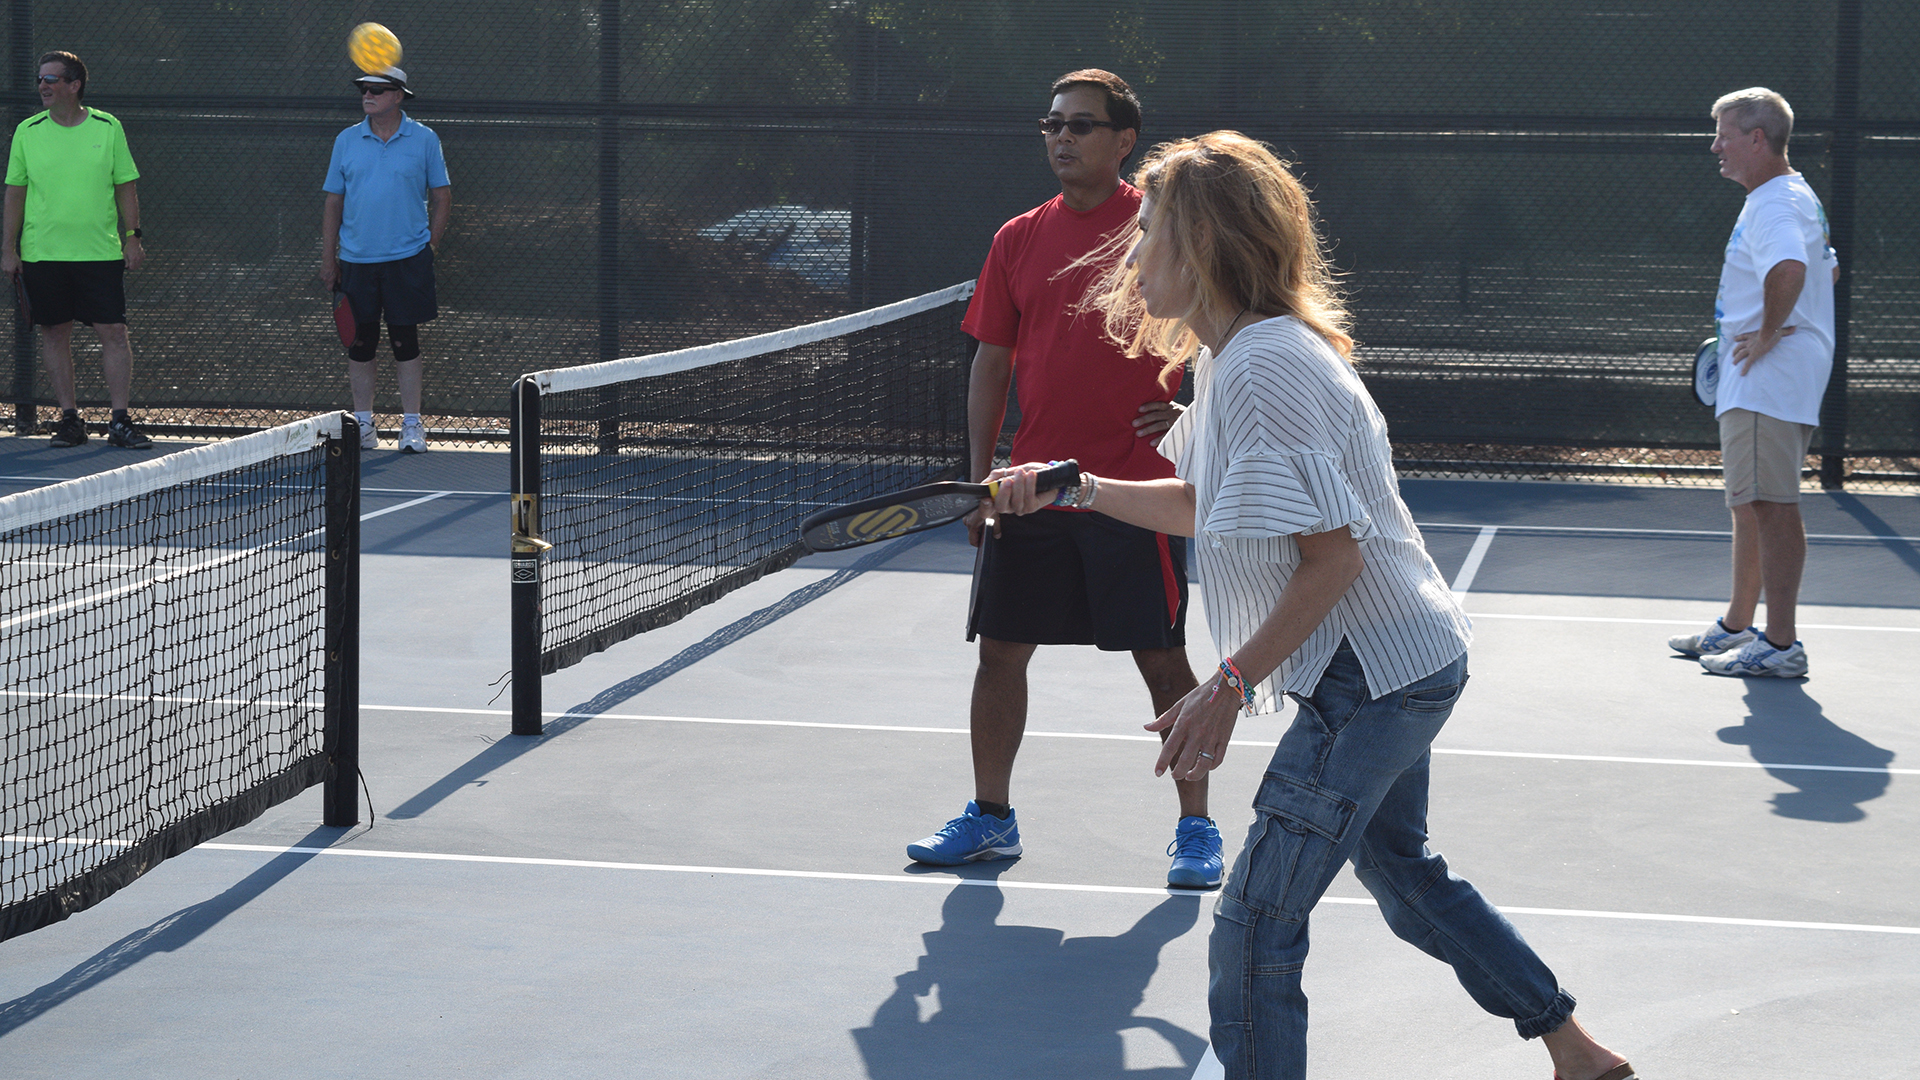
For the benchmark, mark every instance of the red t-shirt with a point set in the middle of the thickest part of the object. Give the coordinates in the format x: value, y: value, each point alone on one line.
x: 1079, y: 394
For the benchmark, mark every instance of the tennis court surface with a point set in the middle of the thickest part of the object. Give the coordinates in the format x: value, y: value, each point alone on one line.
x: 698, y: 870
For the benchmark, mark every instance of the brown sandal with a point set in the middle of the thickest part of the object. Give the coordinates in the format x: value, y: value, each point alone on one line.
x: 1622, y: 1071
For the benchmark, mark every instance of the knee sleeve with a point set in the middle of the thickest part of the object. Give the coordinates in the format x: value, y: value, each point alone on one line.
x: 365, y: 340
x: 405, y: 341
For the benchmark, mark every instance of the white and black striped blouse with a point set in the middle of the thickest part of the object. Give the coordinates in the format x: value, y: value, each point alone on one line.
x: 1283, y: 438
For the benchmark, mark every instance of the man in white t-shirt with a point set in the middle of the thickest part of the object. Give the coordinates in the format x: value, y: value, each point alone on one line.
x: 1774, y: 318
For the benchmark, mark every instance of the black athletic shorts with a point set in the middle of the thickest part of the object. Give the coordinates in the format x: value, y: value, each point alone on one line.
x: 90, y: 292
x: 1061, y: 577
x: 400, y: 291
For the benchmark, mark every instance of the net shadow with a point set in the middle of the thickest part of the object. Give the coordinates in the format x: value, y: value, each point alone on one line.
x: 170, y: 933
x: 500, y: 753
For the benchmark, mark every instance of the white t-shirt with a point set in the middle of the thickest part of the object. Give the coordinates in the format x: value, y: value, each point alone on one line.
x: 1782, y: 220
x: 1282, y: 439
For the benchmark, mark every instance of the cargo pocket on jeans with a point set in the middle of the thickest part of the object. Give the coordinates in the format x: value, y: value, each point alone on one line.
x: 1299, y: 828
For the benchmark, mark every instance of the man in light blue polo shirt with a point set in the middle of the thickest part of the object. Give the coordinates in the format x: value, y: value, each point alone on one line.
x: 387, y: 201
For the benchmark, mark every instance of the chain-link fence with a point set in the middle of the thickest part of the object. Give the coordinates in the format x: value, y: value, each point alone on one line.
x: 1519, y: 191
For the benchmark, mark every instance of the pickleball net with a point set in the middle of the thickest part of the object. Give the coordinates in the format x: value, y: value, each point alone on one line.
x: 179, y: 644
x: 647, y: 487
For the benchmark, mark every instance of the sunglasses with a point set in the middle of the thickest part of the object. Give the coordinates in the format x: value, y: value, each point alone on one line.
x: 51, y: 79
x: 1079, y: 125
x: 369, y: 88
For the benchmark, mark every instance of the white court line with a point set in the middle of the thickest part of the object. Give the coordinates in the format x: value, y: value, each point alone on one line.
x: 1684, y: 622
x: 1048, y: 886
x: 423, y: 491
x: 1118, y: 737
x: 405, y: 505
x: 6, y: 692
x: 197, y: 567
x: 1709, y: 534
x: 1463, y: 581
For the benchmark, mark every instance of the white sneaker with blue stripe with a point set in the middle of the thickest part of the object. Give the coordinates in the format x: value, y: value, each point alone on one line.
x: 1759, y: 658
x: 1712, y: 641
x: 971, y: 837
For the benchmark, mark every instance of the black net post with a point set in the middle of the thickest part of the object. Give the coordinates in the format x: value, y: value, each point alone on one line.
x: 26, y: 418
x: 524, y: 464
x: 342, y: 738
x: 1845, y: 159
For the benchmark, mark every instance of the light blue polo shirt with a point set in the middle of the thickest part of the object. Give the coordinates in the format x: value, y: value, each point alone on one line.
x: 386, y: 184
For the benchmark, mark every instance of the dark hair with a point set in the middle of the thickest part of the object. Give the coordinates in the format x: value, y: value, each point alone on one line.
x: 1123, y: 108
x: 74, y: 69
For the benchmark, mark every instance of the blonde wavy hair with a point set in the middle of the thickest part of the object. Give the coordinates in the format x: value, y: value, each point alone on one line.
x: 1243, y: 226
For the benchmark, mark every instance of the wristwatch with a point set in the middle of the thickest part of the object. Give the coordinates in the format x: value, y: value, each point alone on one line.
x: 132, y: 234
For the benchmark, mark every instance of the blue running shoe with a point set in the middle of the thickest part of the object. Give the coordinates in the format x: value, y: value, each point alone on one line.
x: 971, y: 837
x: 1196, y: 855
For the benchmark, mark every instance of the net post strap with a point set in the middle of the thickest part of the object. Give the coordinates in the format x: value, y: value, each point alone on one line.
x: 588, y: 376
x: 42, y: 504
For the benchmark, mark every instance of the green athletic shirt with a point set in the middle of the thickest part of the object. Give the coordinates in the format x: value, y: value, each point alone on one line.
x: 70, y: 174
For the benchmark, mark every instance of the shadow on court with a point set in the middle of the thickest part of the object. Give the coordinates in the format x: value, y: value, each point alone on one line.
x: 1853, y: 507
x: 170, y: 934
x: 1784, y: 724
x: 1020, y: 1002
x: 500, y: 753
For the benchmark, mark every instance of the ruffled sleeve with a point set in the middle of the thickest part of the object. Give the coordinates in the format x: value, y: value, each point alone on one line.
x: 1267, y: 495
x: 1178, y: 438
x: 1174, y: 441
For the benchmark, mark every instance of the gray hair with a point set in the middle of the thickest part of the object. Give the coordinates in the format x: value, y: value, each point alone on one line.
x: 1759, y: 107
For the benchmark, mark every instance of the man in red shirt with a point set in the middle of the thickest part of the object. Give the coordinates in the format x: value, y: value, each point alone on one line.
x: 1068, y: 577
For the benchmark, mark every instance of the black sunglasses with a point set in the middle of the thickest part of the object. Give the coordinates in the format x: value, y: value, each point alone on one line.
x: 1079, y: 125
x: 370, y: 88
x: 51, y: 79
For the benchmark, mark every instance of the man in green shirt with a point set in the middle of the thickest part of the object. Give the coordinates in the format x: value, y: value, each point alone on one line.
x: 72, y: 231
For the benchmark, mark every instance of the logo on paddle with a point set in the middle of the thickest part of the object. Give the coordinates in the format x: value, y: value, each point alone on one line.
x: 882, y: 523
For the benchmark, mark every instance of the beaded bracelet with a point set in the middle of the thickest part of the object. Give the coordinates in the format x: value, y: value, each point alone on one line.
x: 1078, y: 494
x: 1089, y: 490
x: 1230, y: 675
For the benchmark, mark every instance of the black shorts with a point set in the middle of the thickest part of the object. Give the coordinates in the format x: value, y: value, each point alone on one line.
x: 1061, y: 577
x: 94, y: 293
x: 400, y: 291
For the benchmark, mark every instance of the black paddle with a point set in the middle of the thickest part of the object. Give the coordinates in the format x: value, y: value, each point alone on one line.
x: 913, y: 510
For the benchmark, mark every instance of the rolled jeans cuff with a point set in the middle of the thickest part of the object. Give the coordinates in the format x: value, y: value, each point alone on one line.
x: 1556, y: 1014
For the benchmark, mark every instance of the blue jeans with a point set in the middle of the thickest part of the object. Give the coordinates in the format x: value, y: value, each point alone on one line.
x: 1349, y: 782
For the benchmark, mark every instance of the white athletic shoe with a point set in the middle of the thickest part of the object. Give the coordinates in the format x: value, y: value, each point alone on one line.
x: 369, y: 437
x: 1759, y: 657
x: 1712, y: 641
x: 413, y: 437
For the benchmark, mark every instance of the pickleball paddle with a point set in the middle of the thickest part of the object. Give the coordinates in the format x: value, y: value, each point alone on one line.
x: 928, y: 506
x: 1706, y: 372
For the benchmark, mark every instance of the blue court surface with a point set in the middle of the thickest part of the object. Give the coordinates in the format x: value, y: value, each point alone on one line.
x: 699, y: 869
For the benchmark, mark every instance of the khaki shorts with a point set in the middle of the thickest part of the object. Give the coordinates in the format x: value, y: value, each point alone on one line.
x: 1761, y: 457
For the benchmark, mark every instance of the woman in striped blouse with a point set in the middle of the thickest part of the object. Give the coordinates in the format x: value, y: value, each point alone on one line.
x: 1317, y: 580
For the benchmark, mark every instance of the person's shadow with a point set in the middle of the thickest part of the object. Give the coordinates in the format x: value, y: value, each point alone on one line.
x: 1786, y: 727
x: 1020, y: 1002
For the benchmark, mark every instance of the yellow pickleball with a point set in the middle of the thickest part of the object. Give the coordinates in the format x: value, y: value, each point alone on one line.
x: 373, y: 48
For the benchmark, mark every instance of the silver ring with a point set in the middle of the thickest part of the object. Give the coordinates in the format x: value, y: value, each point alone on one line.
x: 1206, y: 755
